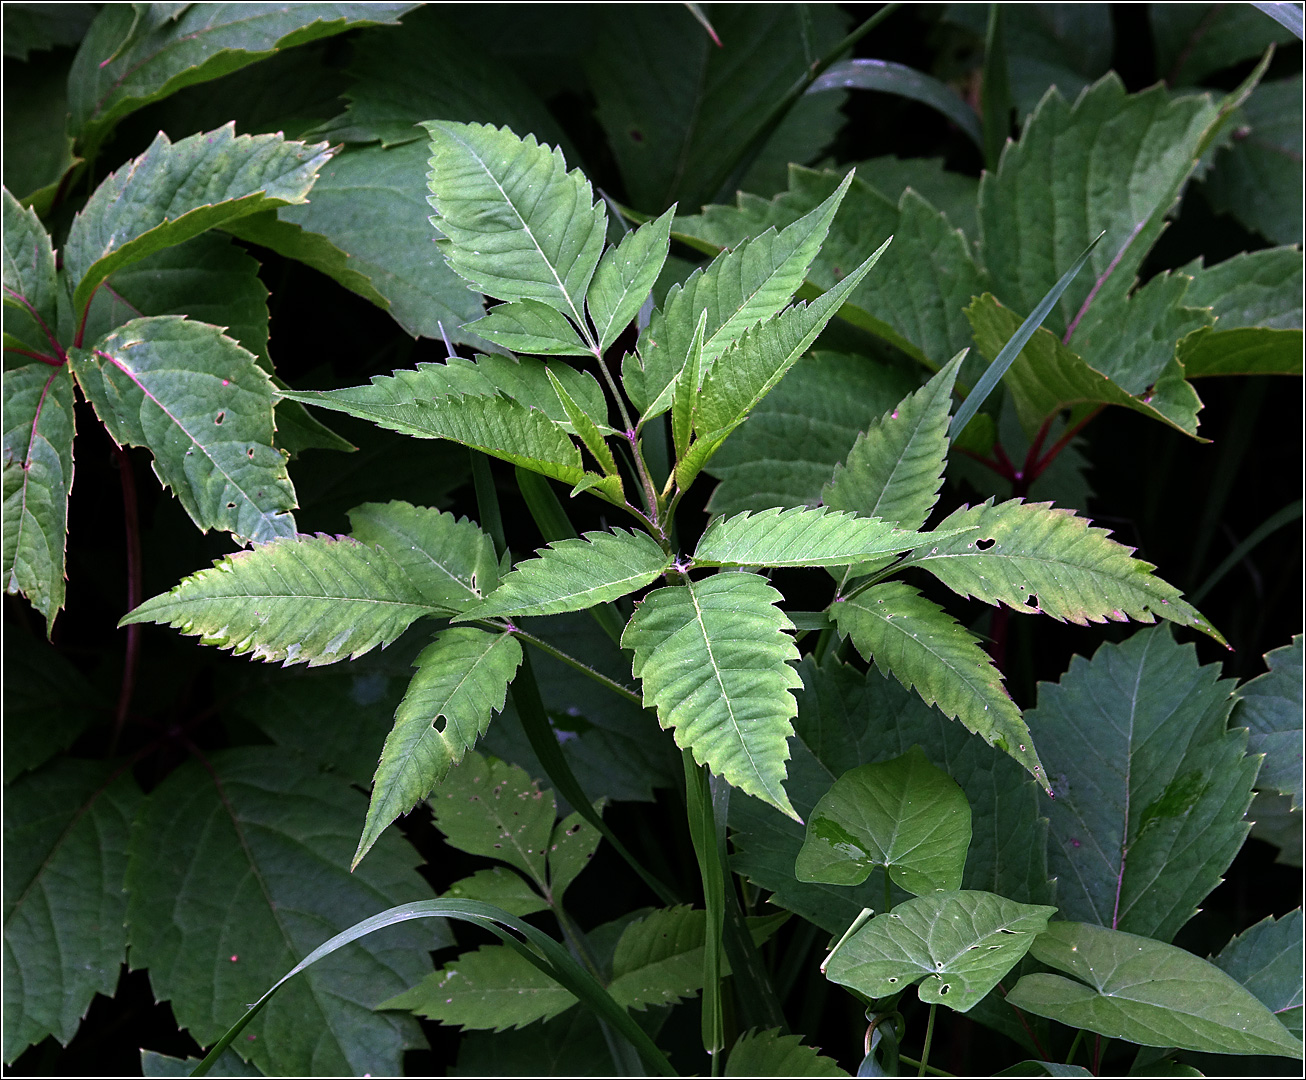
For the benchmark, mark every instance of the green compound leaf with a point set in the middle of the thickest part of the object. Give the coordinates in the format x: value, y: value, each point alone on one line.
x: 450, y: 560
x: 1150, y: 786
x: 894, y: 470
x: 714, y: 660
x: 769, y: 1053
x: 1270, y: 707
x: 802, y: 537
x: 625, y: 276
x: 66, y: 829
x: 530, y: 326
x: 366, y: 228
x: 131, y: 57
x: 570, y: 575
x: 204, y: 408
x: 962, y: 943
x: 514, y: 222
x: 491, y: 989
x: 571, y: 848
x: 462, y: 677
x: 314, y: 599
x: 175, y: 191
x: 925, y: 649
x: 1267, y: 960
x: 738, y: 289
x: 1147, y: 992
x: 1035, y: 557
x: 488, y: 807
x: 249, y: 859
x: 902, y: 814
x: 38, y: 476
x: 501, y: 887
x: 31, y: 290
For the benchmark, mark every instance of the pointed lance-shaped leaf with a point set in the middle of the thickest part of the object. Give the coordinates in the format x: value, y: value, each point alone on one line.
x: 925, y: 649
x: 571, y: 575
x: 204, y: 408
x: 1038, y: 558
x: 685, y: 392
x: 30, y: 285
x: 714, y: 657
x: 307, y: 598
x: 529, y: 326
x: 175, y: 191
x: 585, y: 426
x: 462, y: 677
x: 514, y: 222
x: 625, y: 277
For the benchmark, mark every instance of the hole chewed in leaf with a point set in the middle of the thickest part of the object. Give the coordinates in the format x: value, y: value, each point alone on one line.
x: 985, y: 544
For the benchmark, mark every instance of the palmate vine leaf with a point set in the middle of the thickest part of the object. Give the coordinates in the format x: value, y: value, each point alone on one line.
x: 491, y: 989
x: 625, y: 275
x: 1267, y: 960
x: 514, y: 222
x: 570, y: 575
x: 31, y: 289
x: 1270, y: 707
x: 894, y: 470
x: 738, y: 289
x: 713, y: 657
x: 848, y: 718
x: 1035, y: 557
x: 501, y: 887
x: 1147, y: 778
x: 38, y: 149
x: 236, y: 872
x: 66, y: 829
x: 903, y: 814
x: 125, y: 62
x: 925, y: 649
x: 769, y: 1053
x: 953, y: 194
x: 802, y: 536
x: 961, y: 943
x: 175, y: 191
x: 38, y: 476
x: 450, y: 560
x: 530, y: 326
x: 800, y: 431
x: 365, y: 228
x: 1147, y: 992
x: 204, y: 409
x: 314, y: 599
x: 1047, y: 377
x: 47, y: 703
x: 488, y: 807
x: 462, y: 677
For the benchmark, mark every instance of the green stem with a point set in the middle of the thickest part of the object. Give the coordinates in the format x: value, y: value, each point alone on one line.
x: 929, y: 1038
x: 702, y: 830
x: 1074, y: 1045
x: 919, y: 1064
x: 888, y: 895
x: 487, y: 501
x: 571, y: 661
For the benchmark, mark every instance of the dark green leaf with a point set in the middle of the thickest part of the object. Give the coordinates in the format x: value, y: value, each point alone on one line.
x: 31, y: 289
x: 769, y: 1053
x: 501, y: 887
x: 1267, y: 960
x: 47, y: 703
x: 954, y: 194
x: 1270, y: 706
x: 38, y: 148
x: 30, y: 27
x: 1193, y: 41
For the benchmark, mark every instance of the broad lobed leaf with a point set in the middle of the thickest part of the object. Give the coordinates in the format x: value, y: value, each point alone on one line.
x: 769, y: 1053
x: 1267, y: 960
x: 1270, y: 707
x: 30, y: 297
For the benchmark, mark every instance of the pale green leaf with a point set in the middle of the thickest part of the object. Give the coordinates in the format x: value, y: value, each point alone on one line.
x: 450, y: 560
x: 66, y: 829
x: 308, y: 598
x: 125, y: 62
x: 47, y: 703
x: 514, y: 222
x: 1270, y: 707
x: 571, y: 848
x: 530, y: 326
x: 895, y: 468
x: 961, y: 943
x: 738, y: 289
x: 38, y: 476
x: 594, y: 440
x: 1147, y: 992
x: 488, y: 807
x: 801, y: 536
x: 800, y: 431
x: 570, y: 575
x: 203, y: 407
x: 462, y: 677
x: 713, y: 657
x: 625, y: 276
x: 1267, y: 960
x: 902, y: 814
x: 1150, y: 787
x: 175, y: 191
x: 1034, y: 557
x: 925, y: 649
x: 769, y: 1053
x: 31, y: 288
x: 491, y: 989
x: 687, y: 391
x: 237, y: 868
x: 501, y: 887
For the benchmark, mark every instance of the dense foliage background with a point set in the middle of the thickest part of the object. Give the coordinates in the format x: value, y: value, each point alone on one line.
x: 573, y: 73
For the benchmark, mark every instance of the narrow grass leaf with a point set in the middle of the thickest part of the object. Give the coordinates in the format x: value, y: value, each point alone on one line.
x: 889, y: 78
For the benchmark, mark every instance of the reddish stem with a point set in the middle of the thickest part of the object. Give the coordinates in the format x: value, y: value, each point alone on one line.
x: 989, y: 464
x: 1092, y: 293
x: 49, y: 334
x: 1061, y: 444
x: 132, y: 525
x: 52, y: 361
x: 1028, y: 1030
